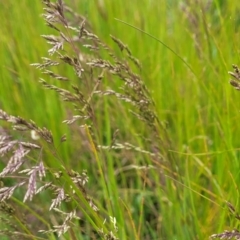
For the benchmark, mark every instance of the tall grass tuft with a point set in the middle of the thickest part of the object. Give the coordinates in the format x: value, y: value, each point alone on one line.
x: 37, y: 179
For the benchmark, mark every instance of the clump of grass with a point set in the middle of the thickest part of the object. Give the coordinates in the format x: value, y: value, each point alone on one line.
x: 96, y: 66
x: 66, y: 185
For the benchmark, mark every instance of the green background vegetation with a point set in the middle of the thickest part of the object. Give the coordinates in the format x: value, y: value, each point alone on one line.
x: 200, y: 109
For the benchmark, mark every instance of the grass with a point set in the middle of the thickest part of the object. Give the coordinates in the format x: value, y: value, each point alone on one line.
x: 178, y: 187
